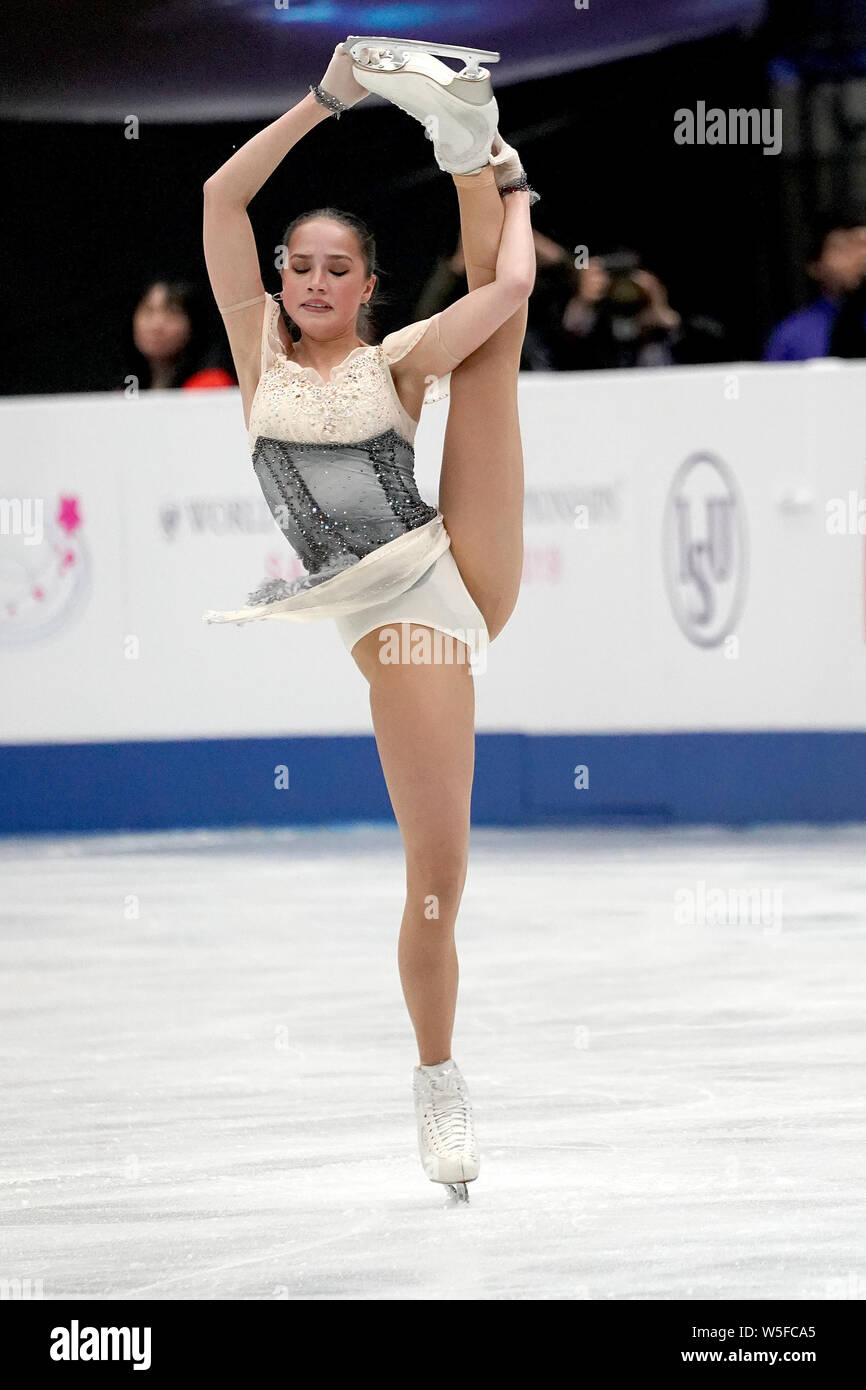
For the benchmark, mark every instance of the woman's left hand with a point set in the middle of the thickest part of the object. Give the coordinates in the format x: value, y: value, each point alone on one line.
x: 339, y: 80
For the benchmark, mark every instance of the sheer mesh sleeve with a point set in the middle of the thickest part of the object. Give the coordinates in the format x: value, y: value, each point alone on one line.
x: 425, y: 337
x: 271, y: 347
x: 244, y: 304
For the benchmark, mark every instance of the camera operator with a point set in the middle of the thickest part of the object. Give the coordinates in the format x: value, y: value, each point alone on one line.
x: 619, y: 317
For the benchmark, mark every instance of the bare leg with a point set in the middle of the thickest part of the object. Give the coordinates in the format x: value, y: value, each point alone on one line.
x: 481, y: 485
x: 423, y: 717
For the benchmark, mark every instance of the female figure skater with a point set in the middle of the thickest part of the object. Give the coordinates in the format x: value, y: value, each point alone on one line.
x: 331, y: 422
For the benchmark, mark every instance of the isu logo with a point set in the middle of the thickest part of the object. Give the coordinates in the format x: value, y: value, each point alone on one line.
x: 704, y: 549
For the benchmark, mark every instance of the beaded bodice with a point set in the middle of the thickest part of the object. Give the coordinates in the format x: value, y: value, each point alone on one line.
x: 293, y: 402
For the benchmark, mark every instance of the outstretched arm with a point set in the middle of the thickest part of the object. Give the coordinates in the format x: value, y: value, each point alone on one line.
x: 474, y: 318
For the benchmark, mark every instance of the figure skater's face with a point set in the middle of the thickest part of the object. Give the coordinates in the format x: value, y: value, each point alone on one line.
x: 325, y: 280
x: 160, y: 329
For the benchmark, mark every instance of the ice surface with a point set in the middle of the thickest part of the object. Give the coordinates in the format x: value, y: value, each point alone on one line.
x: 208, y: 1068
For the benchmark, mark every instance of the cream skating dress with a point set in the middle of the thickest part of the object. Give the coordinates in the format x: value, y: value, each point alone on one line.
x: 335, y: 461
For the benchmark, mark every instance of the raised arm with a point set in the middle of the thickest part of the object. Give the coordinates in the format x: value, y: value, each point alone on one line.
x: 474, y: 318
x: 229, y: 244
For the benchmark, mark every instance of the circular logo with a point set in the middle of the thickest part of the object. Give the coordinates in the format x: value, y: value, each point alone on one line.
x: 43, y: 568
x: 705, y: 549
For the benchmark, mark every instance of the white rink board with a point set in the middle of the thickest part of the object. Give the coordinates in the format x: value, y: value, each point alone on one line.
x: 166, y: 520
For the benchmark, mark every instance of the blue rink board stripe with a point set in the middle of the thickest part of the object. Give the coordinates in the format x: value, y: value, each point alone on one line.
x: 520, y: 779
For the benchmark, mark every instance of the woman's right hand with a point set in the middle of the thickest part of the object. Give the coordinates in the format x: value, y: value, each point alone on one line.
x: 339, y: 80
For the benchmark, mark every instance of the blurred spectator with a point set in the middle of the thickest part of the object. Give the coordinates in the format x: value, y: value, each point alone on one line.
x: 554, y: 284
x: 619, y: 317
x: 837, y: 263
x: 848, y: 338
x: 171, y: 342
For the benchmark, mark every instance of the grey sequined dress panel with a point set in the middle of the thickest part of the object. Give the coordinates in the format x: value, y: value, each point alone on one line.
x: 337, y: 502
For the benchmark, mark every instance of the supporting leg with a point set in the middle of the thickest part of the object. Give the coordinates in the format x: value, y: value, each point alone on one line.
x: 423, y: 718
x: 481, y: 485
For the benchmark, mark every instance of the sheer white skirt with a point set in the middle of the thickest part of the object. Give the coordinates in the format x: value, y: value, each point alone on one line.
x: 380, y: 576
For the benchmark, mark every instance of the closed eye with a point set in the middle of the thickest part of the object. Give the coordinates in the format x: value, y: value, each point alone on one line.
x: 305, y: 270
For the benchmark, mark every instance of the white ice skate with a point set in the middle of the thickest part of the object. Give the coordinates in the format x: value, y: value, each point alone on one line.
x: 446, y: 1139
x: 457, y: 109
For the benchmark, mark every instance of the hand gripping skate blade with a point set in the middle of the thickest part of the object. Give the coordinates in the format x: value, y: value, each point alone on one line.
x: 398, y: 50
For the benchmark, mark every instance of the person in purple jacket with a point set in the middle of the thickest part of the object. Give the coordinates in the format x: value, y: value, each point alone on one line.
x: 837, y: 264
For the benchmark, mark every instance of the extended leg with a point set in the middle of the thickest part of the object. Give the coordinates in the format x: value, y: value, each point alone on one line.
x: 481, y: 485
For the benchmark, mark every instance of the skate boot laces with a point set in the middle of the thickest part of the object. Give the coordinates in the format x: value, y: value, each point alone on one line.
x: 446, y: 1112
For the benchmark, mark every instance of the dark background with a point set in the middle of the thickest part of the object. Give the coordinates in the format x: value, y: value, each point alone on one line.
x: 90, y: 216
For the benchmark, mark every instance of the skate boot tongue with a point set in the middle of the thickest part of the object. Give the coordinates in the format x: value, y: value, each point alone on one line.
x: 440, y: 1068
x: 446, y: 1089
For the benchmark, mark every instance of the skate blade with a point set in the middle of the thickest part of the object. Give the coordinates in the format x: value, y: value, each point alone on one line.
x: 400, y: 49
x: 458, y: 1192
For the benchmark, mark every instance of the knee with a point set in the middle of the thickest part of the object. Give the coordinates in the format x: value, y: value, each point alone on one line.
x: 435, y: 881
